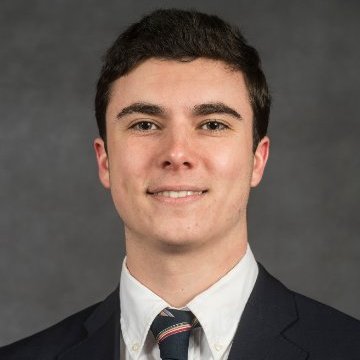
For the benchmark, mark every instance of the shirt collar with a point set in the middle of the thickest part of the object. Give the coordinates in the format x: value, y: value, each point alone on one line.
x: 218, y: 308
x: 139, y: 307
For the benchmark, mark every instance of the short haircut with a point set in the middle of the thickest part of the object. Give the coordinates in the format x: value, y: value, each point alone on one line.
x: 183, y: 35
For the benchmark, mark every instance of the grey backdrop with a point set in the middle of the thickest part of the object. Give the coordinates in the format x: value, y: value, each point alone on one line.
x: 60, y: 238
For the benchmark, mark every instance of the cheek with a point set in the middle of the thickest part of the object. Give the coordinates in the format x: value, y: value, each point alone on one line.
x: 128, y: 167
x: 232, y: 163
x: 122, y: 169
x: 232, y: 168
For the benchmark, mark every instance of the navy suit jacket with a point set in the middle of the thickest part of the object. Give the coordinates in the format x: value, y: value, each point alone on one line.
x: 277, y: 324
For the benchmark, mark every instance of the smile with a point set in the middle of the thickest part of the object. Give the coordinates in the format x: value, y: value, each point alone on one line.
x: 178, y: 194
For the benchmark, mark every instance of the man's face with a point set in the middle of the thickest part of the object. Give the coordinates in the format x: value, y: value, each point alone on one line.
x: 180, y: 163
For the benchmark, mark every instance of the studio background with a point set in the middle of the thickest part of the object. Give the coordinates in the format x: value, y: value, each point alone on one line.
x: 61, y: 242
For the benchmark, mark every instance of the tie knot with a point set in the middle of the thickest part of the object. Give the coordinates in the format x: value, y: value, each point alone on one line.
x: 171, y: 329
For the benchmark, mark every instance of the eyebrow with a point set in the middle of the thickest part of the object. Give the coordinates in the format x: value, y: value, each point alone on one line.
x: 142, y: 108
x: 215, y: 108
x: 198, y: 110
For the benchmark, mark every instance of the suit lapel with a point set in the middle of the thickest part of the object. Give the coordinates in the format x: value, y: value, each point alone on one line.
x: 260, y: 335
x: 270, y: 310
x: 103, y: 333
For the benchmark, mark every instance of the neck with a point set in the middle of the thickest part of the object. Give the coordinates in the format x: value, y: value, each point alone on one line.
x: 178, y: 276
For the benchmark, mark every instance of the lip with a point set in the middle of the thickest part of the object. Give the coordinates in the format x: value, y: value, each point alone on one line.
x: 157, y: 194
x: 158, y: 189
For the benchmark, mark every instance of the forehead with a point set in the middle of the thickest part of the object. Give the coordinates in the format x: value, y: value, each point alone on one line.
x: 175, y: 84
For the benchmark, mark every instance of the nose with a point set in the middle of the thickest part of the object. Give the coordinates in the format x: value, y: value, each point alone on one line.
x: 178, y: 151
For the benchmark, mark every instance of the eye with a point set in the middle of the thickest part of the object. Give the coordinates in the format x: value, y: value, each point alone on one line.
x: 144, y: 126
x: 214, y: 126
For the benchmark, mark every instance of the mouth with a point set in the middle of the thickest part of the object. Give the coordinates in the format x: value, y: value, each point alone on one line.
x: 174, y: 194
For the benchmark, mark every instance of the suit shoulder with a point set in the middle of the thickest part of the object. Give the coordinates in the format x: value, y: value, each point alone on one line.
x: 46, y: 344
x: 320, y: 327
x: 311, y: 309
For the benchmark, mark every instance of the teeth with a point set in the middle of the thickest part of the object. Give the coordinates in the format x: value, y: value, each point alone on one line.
x: 178, y: 194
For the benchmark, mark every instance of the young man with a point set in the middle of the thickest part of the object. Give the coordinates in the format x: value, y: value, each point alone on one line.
x: 182, y: 107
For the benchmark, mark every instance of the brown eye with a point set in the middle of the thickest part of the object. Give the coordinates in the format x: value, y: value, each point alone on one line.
x: 144, y: 126
x: 214, y: 126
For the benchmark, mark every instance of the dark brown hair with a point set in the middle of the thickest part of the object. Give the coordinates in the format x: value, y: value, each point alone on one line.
x: 183, y: 35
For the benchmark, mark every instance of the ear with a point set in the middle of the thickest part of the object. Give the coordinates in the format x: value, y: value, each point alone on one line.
x: 103, y: 162
x: 260, y: 158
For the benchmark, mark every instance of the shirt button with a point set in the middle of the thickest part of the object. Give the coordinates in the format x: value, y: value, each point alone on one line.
x: 218, y: 347
x: 135, y: 347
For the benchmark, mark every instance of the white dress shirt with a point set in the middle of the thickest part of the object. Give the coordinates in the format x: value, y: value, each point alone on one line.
x: 218, y: 309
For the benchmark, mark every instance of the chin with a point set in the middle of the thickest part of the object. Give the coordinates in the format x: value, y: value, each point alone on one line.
x: 177, y: 241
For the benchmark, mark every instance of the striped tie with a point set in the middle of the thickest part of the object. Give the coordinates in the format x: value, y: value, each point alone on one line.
x: 171, y: 329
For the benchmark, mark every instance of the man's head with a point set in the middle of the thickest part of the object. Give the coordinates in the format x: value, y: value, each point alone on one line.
x: 184, y: 36
x: 179, y: 92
